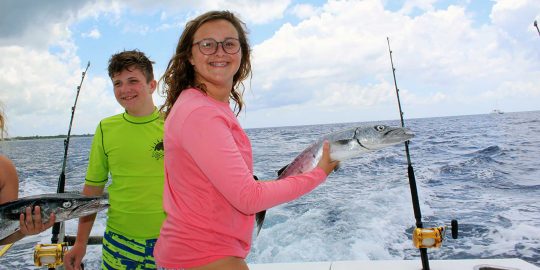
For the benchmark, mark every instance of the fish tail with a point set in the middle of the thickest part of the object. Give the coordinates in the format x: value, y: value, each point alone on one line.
x: 259, y: 217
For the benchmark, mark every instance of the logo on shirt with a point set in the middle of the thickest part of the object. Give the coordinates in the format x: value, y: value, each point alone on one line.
x: 158, y: 150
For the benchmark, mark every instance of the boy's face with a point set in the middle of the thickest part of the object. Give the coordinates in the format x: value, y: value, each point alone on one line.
x: 133, y: 92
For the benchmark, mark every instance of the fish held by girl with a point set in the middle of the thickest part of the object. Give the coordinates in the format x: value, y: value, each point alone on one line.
x: 344, y: 144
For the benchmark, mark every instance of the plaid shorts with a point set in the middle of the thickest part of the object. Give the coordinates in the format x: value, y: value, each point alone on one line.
x: 120, y: 252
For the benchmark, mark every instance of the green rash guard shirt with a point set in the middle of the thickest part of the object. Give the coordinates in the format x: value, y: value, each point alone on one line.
x: 131, y: 150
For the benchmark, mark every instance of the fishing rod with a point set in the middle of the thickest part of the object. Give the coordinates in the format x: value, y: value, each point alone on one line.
x: 423, y: 238
x: 410, y: 170
x: 59, y: 226
x: 536, y: 25
x: 62, y: 178
x: 50, y: 255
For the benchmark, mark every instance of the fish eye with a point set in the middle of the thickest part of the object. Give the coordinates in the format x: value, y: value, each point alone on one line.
x: 66, y: 204
x: 379, y: 128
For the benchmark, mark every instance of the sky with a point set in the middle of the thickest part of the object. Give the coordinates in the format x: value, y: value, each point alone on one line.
x: 314, y: 62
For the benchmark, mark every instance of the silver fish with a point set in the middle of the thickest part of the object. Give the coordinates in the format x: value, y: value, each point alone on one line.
x: 64, y: 205
x: 344, y: 144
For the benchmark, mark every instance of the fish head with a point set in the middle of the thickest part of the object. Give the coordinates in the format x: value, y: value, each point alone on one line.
x: 380, y: 136
x: 71, y: 207
x: 354, y: 141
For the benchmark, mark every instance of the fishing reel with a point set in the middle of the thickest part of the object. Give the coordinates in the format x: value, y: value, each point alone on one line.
x: 433, y: 237
x: 50, y: 255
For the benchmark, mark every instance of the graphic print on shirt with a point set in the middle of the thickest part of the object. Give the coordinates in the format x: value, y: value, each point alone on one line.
x: 158, y: 150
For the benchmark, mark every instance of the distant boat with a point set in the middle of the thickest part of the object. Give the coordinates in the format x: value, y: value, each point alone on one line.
x: 497, y: 111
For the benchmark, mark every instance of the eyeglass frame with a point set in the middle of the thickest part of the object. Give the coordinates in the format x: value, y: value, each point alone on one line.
x: 198, y: 43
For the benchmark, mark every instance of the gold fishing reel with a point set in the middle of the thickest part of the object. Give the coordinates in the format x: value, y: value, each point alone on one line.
x: 433, y: 237
x: 50, y: 255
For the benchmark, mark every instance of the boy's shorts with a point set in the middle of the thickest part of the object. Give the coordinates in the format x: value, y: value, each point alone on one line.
x: 120, y: 252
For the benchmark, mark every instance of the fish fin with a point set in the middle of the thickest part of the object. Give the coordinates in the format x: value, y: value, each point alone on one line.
x: 282, y: 169
x: 259, y: 217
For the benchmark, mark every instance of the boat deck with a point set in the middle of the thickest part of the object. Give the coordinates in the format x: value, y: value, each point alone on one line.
x: 473, y: 264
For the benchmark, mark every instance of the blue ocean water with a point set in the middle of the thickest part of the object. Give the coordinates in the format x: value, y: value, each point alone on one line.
x: 483, y: 170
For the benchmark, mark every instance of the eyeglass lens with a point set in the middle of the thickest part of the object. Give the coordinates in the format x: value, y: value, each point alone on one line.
x: 210, y: 46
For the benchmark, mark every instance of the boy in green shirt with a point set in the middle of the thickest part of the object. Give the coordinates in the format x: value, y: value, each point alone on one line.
x: 129, y: 147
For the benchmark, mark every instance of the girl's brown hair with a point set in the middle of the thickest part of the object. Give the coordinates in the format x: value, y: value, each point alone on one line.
x: 2, y: 123
x: 180, y: 74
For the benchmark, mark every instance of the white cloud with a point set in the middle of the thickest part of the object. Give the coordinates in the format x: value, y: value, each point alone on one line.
x: 409, y: 7
x: 332, y: 64
x: 38, y: 91
x: 339, y: 58
x: 515, y: 18
x: 35, y: 25
x: 354, y: 95
x: 251, y: 11
x: 304, y: 11
x: 258, y: 12
x: 38, y: 86
x: 94, y: 33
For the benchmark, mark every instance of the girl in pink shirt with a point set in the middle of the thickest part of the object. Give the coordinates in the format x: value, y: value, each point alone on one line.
x: 210, y: 196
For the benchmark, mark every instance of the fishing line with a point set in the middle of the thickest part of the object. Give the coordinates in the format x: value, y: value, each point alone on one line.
x: 410, y: 170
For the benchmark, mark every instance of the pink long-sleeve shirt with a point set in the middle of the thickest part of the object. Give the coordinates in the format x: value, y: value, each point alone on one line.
x: 210, y: 196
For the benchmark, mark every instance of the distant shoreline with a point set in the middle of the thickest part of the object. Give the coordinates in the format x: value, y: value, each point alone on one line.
x: 36, y: 137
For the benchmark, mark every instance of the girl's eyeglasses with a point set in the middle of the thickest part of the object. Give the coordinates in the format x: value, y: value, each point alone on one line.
x: 209, y: 46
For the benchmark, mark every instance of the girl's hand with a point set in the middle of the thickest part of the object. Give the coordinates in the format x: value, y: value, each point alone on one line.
x: 326, y: 163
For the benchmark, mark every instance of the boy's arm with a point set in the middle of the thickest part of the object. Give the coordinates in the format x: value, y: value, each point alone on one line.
x: 86, y: 223
x: 73, y: 258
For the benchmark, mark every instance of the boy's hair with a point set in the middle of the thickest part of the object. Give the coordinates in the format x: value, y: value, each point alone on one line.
x: 131, y: 59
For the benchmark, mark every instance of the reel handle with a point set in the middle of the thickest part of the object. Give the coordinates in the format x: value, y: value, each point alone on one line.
x: 454, y: 225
